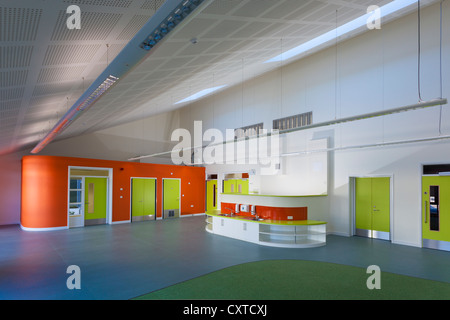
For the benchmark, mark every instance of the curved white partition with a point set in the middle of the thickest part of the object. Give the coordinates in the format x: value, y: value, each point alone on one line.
x: 285, y: 234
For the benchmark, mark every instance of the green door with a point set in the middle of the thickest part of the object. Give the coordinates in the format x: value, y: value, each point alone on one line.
x: 211, y: 195
x: 143, y: 199
x: 372, y: 207
x: 436, y: 212
x: 95, y: 200
x: 171, y: 198
x: 242, y: 186
x: 229, y: 186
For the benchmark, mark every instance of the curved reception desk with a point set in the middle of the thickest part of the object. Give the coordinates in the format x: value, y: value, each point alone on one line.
x: 268, y: 232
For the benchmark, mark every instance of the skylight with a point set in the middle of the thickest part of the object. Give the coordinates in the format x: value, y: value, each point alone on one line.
x: 200, y: 94
x: 385, y: 10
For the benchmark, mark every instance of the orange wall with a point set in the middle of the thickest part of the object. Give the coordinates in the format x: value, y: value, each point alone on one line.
x: 45, y: 188
x: 274, y: 213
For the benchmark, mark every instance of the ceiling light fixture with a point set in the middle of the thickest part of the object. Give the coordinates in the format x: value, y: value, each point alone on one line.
x: 75, y: 111
x: 168, y: 16
x: 171, y: 21
x: 200, y: 94
x: 353, y: 25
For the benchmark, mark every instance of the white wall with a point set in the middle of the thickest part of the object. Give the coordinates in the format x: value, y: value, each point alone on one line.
x: 10, y: 187
x: 138, y: 138
x: 375, y: 71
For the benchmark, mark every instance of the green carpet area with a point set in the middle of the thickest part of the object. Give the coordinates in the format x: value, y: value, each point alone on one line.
x: 300, y: 280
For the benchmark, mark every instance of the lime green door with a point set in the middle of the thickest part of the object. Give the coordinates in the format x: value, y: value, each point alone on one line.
x: 235, y: 186
x: 242, y: 186
x: 229, y: 186
x: 436, y: 212
x: 211, y: 195
x: 372, y: 207
x: 143, y: 199
x: 171, y: 198
x: 95, y: 200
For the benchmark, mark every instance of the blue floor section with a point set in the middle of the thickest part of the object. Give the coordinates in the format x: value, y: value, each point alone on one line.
x: 127, y: 260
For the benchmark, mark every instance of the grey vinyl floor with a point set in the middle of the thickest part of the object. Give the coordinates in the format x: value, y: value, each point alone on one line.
x: 124, y: 261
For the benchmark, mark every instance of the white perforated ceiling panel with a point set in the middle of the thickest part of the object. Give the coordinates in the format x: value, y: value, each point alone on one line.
x: 45, y: 67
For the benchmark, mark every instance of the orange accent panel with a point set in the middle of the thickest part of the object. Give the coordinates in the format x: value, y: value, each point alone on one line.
x: 273, y: 213
x: 44, y: 202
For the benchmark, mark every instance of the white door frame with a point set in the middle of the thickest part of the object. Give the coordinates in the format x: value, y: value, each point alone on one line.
x: 156, y: 194
x: 109, y: 184
x: 352, y: 200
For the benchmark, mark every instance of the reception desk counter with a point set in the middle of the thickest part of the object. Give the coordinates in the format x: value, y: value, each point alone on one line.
x: 275, y: 233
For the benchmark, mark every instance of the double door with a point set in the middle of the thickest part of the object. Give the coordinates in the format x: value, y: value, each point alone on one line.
x: 235, y: 186
x: 436, y: 212
x: 372, y: 207
x: 143, y: 199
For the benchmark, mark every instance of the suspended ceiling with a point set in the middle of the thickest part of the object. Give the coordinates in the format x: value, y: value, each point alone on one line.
x: 45, y: 67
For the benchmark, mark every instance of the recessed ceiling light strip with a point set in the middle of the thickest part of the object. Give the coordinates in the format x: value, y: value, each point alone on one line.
x: 184, y: 9
x: 169, y: 15
x: 75, y: 111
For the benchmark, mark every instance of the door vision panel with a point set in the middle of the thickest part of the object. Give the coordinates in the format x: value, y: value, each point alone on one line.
x: 95, y: 199
x: 436, y: 212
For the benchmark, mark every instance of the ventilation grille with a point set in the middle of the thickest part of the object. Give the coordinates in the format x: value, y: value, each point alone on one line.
x: 248, y: 131
x: 15, y: 57
x: 94, y: 26
x: 292, y: 122
x: 104, y: 3
x: 19, y: 24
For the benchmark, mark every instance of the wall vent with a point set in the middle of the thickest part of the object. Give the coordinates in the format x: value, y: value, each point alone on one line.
x: 292, y: 122
x: 248, y: 131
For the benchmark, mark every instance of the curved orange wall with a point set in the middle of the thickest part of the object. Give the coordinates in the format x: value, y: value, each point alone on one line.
x: 45, y: 188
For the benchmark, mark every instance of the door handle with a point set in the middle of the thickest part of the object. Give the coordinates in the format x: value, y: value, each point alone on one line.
x: 426, y: 210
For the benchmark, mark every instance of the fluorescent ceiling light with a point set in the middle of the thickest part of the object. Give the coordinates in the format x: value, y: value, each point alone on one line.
x: 385, y: 10
x: 165, y: 19
x: 75, y: 112
x: 200, y: 94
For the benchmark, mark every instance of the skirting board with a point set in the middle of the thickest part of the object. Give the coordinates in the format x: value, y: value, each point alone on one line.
x: 43, y: 229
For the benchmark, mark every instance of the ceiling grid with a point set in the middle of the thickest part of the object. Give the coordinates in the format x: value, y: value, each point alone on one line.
x: 45, y: 67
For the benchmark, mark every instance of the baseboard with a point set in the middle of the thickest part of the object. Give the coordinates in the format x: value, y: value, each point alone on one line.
x: 119, y: 222
x: 341, y: 234
x: 43, y: 229
x: 192, y: 215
